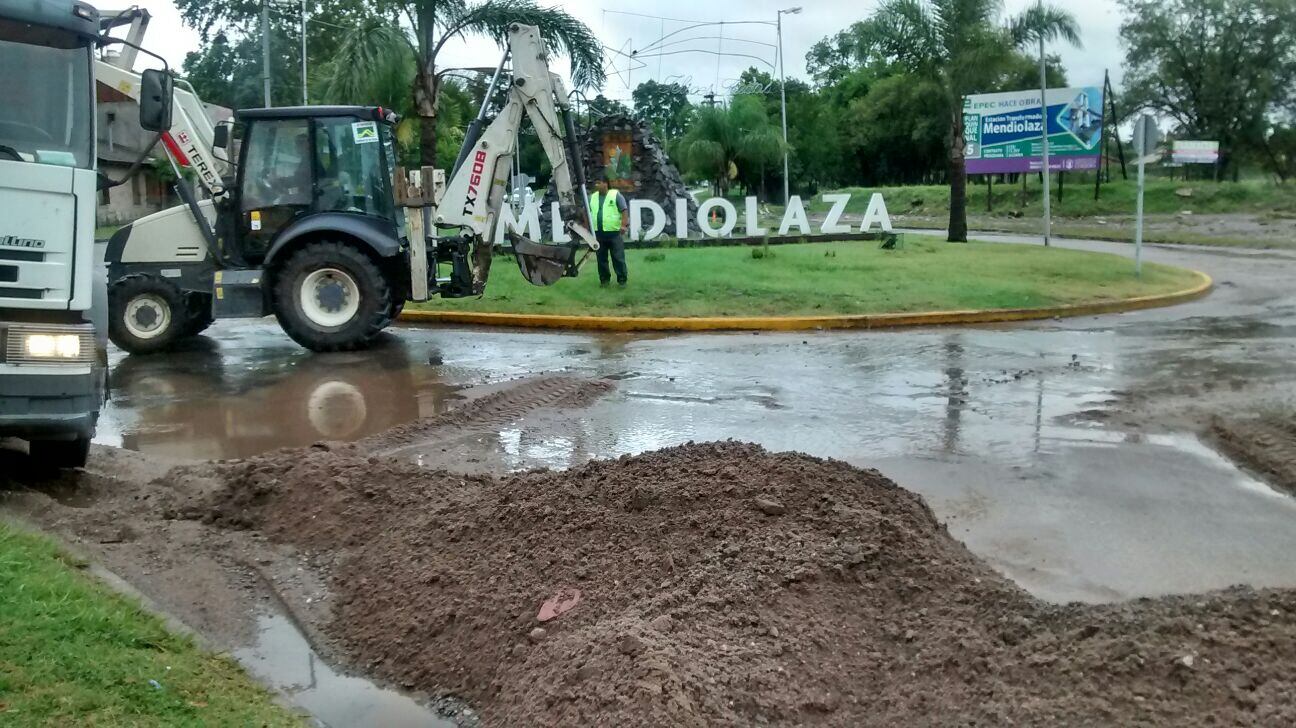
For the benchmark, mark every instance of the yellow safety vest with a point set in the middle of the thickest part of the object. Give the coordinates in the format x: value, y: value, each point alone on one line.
x: 611, y: 213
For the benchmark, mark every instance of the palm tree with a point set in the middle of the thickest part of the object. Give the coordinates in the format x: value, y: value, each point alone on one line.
x: 385, y: 48
x: 722, y: 139
x: 959, y: 45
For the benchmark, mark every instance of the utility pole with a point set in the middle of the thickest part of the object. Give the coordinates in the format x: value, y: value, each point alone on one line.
x: 783, y: 97
x: 305, y: 97
x: 1048, y: 223
x: 265, y: 50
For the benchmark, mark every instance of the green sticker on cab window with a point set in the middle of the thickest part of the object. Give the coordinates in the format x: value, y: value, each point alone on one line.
x: 364, y: 132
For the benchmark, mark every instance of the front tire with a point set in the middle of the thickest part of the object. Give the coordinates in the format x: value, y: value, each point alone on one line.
x: 332, y: 297
x: 60, y: 453
x: 146, y: 314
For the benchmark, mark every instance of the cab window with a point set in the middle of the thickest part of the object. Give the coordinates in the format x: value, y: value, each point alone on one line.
x: 278, y: 165
x: 353, y: 173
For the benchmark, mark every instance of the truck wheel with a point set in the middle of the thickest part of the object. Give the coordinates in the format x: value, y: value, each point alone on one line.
x: 145, y: 314
x: 60, y: 453
x: 332, y: 297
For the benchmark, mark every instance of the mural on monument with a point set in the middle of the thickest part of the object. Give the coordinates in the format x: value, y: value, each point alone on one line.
x: 618, y: 160
x: 626, y: 148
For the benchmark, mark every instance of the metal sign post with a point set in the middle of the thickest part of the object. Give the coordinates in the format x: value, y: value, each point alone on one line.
x: 1146, y: 136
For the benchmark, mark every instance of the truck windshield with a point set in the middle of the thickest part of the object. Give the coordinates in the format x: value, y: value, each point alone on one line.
x: 45, y: 96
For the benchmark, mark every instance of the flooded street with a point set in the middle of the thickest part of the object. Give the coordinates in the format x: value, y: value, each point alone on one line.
x: 1066, y: 452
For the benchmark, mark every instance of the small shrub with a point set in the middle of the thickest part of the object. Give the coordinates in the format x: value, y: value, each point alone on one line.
x: 654, y: 257
x: 761, y: 253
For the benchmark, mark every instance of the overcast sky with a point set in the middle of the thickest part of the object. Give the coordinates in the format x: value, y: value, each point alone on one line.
x: 702, y: 71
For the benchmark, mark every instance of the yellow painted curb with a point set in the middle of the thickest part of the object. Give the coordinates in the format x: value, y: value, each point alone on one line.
x: 799, y: 323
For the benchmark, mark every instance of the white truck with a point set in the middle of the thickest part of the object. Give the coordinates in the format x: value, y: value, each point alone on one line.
x: 53, y: 301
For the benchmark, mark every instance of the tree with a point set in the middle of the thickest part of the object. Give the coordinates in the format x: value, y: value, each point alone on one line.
x: 726, y: 142
x: 601, y: 106
x: 898, y: 130
x: 1219, y: 68
x: 227, y: 70
x: 1280, y: 152
x: 959, y: 46
x: 664, y: 105
x: 430, y: 24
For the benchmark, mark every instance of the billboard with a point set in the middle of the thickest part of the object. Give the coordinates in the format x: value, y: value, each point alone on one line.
x: 1002, y: 130
x: 1194, y: 152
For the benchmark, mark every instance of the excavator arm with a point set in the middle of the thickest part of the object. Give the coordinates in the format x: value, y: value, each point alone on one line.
x: 190, y: 141
x: 474, y: 194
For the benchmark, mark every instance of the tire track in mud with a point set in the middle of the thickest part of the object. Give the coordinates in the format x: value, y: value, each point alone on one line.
x: 1266, y: 446
x: 489, y: 412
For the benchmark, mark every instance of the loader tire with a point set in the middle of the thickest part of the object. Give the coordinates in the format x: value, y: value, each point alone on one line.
x: 146, y: 314
x: 332, y: 297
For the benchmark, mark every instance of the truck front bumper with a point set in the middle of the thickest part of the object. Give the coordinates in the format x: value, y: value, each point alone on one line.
x: 50, y: 405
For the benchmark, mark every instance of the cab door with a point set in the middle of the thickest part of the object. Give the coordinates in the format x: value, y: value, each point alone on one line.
x: 277, y: 181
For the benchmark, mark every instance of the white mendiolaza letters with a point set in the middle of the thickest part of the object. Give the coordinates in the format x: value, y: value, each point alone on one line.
x: 648, y: 218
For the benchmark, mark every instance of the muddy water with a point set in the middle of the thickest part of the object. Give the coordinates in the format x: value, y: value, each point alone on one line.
x: 1060, y: 451
x: 283, y: 659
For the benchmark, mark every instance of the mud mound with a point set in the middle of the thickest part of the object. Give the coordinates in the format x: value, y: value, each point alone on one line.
x: 1266, y: 445
x: 721, y: 584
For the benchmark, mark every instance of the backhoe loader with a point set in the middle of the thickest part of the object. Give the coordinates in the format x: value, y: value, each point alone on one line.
x: 307, y: 227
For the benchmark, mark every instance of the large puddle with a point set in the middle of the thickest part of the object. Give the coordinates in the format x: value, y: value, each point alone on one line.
x: 284, y: 660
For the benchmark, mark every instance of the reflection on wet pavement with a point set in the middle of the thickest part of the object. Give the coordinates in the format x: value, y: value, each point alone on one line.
x: 283, y: 659
x: 981, y: 420
x: 226, y: 400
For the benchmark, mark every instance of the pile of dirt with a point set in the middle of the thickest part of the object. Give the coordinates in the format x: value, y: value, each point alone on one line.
x: 721, y: 584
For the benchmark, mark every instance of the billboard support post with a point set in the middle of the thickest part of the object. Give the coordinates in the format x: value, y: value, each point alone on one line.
x: 1138, y: 223
x: 1044, y: 134
x: 1146, y: 136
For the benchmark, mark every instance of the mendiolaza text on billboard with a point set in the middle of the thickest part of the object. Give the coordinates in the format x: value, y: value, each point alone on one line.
x: 648, y: 219
x: 1002, y: 131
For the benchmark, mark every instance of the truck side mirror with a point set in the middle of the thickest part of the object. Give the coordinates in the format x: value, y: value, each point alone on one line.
x: 155, y: 100
x: 221, y: 137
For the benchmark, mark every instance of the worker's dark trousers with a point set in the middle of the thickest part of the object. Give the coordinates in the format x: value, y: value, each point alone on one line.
x: 611, y: 244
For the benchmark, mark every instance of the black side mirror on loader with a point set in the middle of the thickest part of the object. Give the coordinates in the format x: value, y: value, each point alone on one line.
x: 156, y: 88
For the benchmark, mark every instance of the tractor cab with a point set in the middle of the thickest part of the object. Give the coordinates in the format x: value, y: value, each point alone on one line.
x: 299, y: 164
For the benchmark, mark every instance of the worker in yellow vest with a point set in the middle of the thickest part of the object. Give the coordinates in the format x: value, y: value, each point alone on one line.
x: 610, y: 216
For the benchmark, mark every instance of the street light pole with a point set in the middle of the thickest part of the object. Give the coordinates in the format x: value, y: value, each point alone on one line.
x: 265, y: 50
x: 305, y: 98
x: 783, y: 97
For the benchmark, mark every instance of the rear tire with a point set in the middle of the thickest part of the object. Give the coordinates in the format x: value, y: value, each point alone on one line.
x: 60, y: 453
x: 146, y: 314
x: 332, y: 297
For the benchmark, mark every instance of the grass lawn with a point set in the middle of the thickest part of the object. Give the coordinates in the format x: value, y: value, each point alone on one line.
x: 1117, y: 198
x: 73, y: 652
x: 829, y: 278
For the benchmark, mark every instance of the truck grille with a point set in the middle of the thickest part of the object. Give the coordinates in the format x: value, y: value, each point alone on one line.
x: 34, y: 294
x: 26, y: 256
x: 12, y: 337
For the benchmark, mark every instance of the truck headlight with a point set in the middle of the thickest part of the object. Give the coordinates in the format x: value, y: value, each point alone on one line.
x: 52, y: 346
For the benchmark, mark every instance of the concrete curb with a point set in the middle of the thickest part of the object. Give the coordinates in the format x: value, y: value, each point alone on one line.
x: 801, y: 323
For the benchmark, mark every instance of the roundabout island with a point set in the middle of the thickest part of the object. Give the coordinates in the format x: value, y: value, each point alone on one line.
x: 828, y: 285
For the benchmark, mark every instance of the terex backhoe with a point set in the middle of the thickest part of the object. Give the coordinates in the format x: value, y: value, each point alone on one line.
x: 307, y: 227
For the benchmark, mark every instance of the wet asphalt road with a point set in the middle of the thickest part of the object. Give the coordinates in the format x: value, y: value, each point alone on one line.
x: 995, y: 425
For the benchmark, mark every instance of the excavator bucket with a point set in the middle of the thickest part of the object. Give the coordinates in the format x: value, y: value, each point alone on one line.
x: 542, y: 264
